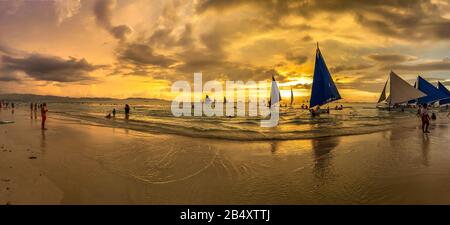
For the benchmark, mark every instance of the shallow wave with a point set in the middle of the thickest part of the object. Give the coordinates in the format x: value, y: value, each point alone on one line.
x: 243, y: 129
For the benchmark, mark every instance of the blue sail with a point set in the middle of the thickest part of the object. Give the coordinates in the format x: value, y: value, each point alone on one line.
x: 443, y: 90
x: 323, y: 88
x: 433, y: 94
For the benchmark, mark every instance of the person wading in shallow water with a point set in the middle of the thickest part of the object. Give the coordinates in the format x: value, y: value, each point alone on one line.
x: 35, y: 110
x: 425, y: 118
x: 31, y: 110
x: 44, y: 111
x: 127, y: 111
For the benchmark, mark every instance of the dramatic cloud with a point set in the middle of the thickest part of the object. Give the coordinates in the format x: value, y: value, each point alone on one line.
x: 340, y: 68
x: 9, y: 77
x: 391, y: 57
x: 298, y: 59
x: 141, y: 54
x: 49, y: 68
x: 403, y: 19
x: 103, y: 15
x: 361, y: 42
x: 443, y: 65
x: 9, y: 51
x: 10, y: 7
x: 66, y: 8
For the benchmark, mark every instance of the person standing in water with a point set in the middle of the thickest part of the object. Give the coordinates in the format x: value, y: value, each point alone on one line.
x: 44, y: 111
x: 127, y: 111
x: 114, y: 112
x: 31, y: 110
x: 425, y: 118
x: 35, y: 110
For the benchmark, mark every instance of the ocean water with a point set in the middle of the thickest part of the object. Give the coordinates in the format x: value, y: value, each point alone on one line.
x: 295, y: 123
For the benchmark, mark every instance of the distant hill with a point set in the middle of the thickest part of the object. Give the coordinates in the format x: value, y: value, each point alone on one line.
x: 52, y: 98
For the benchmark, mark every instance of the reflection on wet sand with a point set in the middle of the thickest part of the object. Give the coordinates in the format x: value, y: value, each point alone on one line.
x: 322, y: 148
x: 425, y: 149
x: 43, y: 142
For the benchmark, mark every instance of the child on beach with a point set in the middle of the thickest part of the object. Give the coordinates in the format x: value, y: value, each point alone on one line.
x: 44, y: 111
x: 425, y: 118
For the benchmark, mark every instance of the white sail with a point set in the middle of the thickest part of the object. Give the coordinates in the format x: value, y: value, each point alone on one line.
x: 401, y: 91
x: 383, y: 93
x: 207, y: 100
x: 274, y: 93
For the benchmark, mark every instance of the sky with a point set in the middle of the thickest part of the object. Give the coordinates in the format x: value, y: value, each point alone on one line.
x: 138, y: 48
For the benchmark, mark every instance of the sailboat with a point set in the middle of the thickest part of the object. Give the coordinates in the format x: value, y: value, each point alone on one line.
x: 443, y: 90
x: 432, y: 93
x: 323, y: 88
x: 399, y: 90
x: 207, y: 100
x: 275, y: 96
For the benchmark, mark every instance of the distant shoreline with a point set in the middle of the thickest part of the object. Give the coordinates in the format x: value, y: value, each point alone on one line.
x: 54, y: 98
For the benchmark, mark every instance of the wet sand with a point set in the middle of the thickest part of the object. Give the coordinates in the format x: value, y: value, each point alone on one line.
x: 75, y: 162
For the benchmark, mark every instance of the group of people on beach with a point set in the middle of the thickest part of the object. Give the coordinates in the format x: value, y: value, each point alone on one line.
x: 43, y: 108
x: 317, y: 111
x: 6, y: 105
x: 113, y: 113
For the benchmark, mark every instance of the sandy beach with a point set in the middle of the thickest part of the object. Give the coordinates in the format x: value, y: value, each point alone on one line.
x: 76, y: 162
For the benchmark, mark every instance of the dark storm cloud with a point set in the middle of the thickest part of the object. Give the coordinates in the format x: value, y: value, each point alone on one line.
x: 403, y: 19
x: 49, y: 68
x: 103, y: 15
x: 391, y: 57
x: 425, y: 66
x: 143, y: 55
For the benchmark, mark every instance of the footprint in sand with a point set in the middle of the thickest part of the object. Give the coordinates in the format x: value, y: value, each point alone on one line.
x: 32, y: 157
